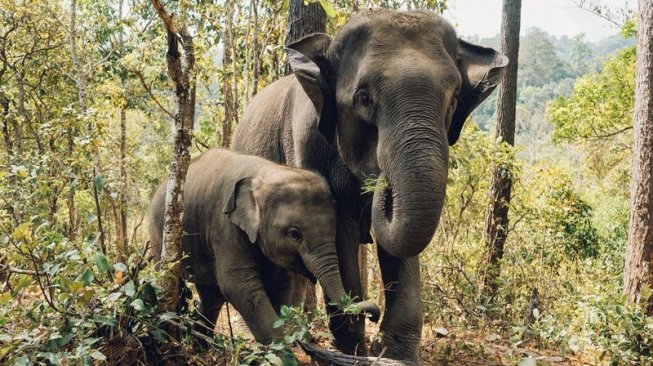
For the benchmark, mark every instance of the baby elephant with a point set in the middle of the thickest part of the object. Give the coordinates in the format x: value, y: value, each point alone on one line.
x: 247, y: 222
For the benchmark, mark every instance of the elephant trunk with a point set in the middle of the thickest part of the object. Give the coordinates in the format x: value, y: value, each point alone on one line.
x: 323, y: 264
x: 411, y: 188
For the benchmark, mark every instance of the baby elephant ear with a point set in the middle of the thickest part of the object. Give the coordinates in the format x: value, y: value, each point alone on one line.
x: 242, y: 209
x: 481, y: 69
x: 308, y: 62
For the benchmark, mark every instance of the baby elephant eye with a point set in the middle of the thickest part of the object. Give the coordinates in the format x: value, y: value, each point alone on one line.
x: 294, y: 234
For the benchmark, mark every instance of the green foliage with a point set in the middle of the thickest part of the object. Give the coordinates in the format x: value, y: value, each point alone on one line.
x: 598, y: 117
x: 600, y: 105
x: 539, y: 62
x: 625, y: 334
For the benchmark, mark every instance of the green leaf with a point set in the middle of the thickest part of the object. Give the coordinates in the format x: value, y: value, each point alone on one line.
x: 22, y: 361
x: 130, y: 289
x: 97, y: 355
x: 148, y: 294
x: 168, y: 315
x: 274, y: 359
x: 99, y: 182
x: 102, y: 263
x: 289, y: 360
x: 328, y: 8
x: 159, y: 335
x: 86, y: 277
x: 278, y: 323
x: 138, y: 304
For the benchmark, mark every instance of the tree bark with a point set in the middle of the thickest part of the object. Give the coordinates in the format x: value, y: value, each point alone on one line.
x: 81, y: 76
x: 496, y: 221
x: 227, y: 85
x: 122, y: 240
x: 304, y: 20
x: 183, y: 77
x: 255, y: 58
x: 638, y: 271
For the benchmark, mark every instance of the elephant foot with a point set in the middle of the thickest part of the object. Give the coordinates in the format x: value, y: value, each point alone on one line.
x: 403, y: 347
x: 349, y: 334
x: 351, y: 345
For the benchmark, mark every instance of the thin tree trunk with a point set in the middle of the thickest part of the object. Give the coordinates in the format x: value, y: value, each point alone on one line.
x: 80, y: 73
x: 255, y: 59
x: 496, y: 222
x: 18, y: 126
x: 70, y: 200
x: 183, y: 77
x: 96, y: 197
x: 302, y: 21
x: 81, y: 76
x: 9, y: 146
x: 638, y: 271
x: 227, y: 86
x: 123, y: 240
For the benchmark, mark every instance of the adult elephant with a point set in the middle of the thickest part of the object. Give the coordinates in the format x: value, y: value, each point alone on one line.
x: 384, y: 99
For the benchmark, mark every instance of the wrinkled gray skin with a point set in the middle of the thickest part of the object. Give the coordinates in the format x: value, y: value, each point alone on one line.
x: 385, y: 97
x: 247, y: 223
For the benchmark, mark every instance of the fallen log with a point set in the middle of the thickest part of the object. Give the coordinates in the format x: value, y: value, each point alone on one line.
x: 334, y: 358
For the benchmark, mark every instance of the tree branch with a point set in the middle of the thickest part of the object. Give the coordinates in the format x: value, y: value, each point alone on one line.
x: 165, y: 17
x: 149, y: 91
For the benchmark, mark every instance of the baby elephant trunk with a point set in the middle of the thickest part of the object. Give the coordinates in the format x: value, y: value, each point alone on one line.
x: 323, y: 264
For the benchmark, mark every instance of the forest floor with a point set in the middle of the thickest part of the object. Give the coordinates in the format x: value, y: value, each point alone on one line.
x: 459, y: 347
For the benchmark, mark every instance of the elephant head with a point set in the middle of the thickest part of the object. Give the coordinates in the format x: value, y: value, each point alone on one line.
x: 289, y: 213
x: 392, y: 90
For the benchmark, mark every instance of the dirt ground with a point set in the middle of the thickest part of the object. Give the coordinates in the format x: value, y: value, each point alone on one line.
x: 457, y: 347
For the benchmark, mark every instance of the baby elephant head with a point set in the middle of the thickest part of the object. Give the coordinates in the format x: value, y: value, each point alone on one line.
x: 290, y: 214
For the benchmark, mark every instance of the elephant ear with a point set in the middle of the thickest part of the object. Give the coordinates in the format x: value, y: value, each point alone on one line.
x: 242, y: 209
x: 308, y: 62
x: 481, y: 69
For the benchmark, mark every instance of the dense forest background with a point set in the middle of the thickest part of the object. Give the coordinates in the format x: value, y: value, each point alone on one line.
x: 86, y: 122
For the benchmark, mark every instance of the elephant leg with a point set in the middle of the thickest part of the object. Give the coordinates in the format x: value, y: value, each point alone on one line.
x: 402, y: 321
x: 348, y: 331
x: 211, y: 301
x: 301, y: 291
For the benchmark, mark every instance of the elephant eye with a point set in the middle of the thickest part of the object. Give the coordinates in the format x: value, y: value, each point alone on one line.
x: 362, y: 97
x: 294, y: 234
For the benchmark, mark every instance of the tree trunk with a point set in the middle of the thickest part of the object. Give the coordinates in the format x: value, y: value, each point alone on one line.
x: 183, y: 77
x: 496, y: 221
x: 638, y: 272
x: 227, y: 78
x: 18, y: 127
x: 81, y: 76
x: 304, y: 20
x: 122, y: 240
x: 255, y: 57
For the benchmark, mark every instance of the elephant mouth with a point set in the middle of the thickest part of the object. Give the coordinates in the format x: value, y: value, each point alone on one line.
x: 298, y: 266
